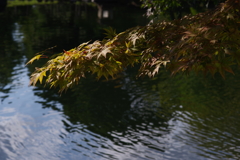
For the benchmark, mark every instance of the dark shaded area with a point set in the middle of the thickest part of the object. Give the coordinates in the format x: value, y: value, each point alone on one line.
x: 3, y: 4
x: 103, y: 107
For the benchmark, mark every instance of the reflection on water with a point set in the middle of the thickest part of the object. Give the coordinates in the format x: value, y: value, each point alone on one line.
x: 183, y: 117
x: 171, y: 118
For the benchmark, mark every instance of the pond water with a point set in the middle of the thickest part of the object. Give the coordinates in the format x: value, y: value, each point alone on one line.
x: 164, y: 118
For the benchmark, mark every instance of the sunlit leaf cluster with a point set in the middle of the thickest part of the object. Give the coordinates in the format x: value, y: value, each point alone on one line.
x: 206, y: 42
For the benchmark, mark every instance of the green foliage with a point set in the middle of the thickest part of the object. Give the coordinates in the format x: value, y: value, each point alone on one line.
x: 206, y: 42
x: 110, y: 33
x: 176, y: 8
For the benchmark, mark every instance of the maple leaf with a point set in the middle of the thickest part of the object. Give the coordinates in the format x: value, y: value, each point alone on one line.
x: 104, y: 52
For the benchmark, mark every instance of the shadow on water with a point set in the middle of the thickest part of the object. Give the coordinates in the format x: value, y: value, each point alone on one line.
x: 109, y: 111
x: 214, y: 118
x: 3, y: 5
x: 209, y: 111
